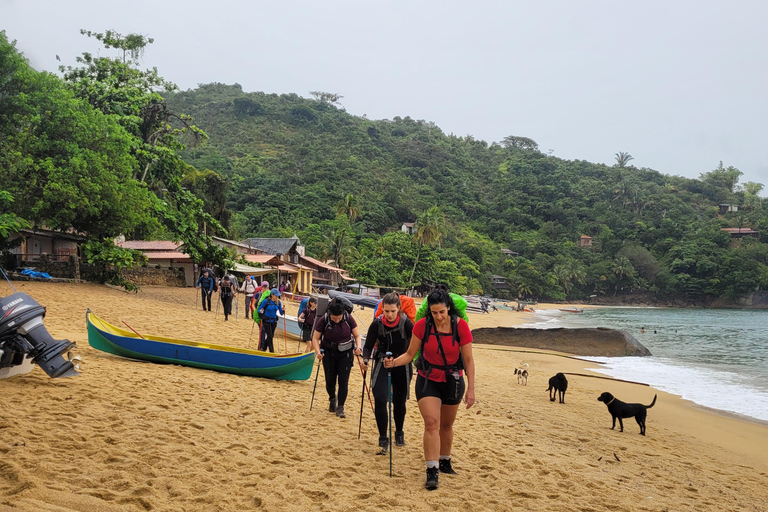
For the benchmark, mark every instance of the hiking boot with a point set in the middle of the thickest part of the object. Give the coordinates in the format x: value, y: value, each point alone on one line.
x: 340, y: 412
x: 399, y: 438
x: 431, y: 483
x: 383, y: 445
x: 445, y: 467
x: 332, y: 405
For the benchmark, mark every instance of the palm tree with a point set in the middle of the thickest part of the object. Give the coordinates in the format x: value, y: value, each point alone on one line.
x: 622, y: 268
x: 622, y: 159
x: 430, y: 228
x: 349, y: 207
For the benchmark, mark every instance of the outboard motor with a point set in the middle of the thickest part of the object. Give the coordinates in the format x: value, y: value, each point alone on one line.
x: 22, y: 333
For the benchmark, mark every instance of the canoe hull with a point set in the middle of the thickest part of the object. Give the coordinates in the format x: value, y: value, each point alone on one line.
x: 113, y: 340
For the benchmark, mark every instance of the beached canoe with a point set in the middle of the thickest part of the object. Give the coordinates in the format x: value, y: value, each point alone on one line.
x: 240, y: 361
x: 292, y: 325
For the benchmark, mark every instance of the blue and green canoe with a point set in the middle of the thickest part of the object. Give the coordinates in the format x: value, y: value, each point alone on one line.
x: 240, y: 361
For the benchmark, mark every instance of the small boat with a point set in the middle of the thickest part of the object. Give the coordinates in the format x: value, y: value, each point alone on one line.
x: 239, y: 361
x: 291, y: 324
x: 572, y: 309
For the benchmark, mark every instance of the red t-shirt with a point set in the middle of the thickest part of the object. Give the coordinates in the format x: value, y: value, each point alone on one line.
x: 432, y: 352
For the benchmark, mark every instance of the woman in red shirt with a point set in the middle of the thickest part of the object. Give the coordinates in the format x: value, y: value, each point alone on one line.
x: 445, y: 355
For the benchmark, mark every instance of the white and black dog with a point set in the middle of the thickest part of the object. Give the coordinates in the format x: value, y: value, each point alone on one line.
x: 522, y: 374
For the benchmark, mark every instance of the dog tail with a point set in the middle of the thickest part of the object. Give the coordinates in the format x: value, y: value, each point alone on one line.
x: 549, y: 388
x: 654, y: 401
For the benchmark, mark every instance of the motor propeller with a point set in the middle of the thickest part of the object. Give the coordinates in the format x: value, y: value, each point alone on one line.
x: 22, y: 332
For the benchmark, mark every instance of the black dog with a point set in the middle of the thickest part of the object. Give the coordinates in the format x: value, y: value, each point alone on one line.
x: 557, y: 386
x: 619, y: 409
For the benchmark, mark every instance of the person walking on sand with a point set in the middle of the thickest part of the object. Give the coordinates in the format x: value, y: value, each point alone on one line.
x: 446, y: 352
x: 205, y: 282
x: 337, y: 334
x: 307, y: 319
x: 226, y: 294
x: 389, y: 332
x: 268, y: 311
x: 249, y: 289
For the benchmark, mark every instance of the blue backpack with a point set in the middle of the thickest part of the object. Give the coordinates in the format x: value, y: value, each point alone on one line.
x: 302, y: 307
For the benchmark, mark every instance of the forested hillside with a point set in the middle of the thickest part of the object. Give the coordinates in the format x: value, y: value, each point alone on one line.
x: 345, y: 184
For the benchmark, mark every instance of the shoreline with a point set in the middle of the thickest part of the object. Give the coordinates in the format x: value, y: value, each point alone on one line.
x: 134, y: 436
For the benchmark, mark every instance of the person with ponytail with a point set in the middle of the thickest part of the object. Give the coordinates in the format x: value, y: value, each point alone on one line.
x: 445, y: 342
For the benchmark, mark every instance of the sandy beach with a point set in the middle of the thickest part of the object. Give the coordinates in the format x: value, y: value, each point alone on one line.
x: 133, y: 436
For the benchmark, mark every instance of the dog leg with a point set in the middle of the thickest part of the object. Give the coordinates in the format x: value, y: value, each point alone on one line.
x: 621, y: 424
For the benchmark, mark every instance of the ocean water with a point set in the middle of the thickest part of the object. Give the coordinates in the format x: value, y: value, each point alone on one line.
x: 716, y: 358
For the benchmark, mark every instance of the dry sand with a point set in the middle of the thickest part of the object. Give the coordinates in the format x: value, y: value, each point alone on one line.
x: 128, y: 435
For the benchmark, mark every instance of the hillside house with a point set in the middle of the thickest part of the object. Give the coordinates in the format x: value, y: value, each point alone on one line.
x: 585, y: 241
x: 408, y: 227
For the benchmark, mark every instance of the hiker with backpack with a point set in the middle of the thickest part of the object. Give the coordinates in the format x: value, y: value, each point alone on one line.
x: 307, y: 317
x: 226, y: 294
x: 390, y: 331
x: 268, y: 311
x: 337, y: 334
x: 206, y: 282
x: 445, y: 342
x: 249, y: 288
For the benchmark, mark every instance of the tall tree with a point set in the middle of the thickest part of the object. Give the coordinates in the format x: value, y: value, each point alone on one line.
x: 430, y: 229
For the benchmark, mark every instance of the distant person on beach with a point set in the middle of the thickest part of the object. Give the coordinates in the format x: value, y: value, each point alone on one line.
x: 337, y: 334
x: 249, y: 288
x: 389, y: 332
x: 206, y: 283
x: 226, y: 294
x: 445, y: 342
x: 307, y: 319
x: 268, y: 311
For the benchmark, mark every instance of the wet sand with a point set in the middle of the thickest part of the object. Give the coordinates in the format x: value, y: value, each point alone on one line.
x: 128, y: 435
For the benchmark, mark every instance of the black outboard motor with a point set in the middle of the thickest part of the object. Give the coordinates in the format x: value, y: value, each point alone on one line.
x: 22, y: 332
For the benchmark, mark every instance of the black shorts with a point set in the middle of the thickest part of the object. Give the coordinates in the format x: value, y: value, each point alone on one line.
x: 450, y: 393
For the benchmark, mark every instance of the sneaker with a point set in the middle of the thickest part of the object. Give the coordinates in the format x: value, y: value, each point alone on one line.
x: 445, y: 467
x: 399, y: 438
x: 383, y: 445
x: 332, y: 405
x: 340, y: 412
x: 431, y: 483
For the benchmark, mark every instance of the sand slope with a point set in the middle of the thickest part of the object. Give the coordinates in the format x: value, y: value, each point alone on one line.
x: 128, y: 435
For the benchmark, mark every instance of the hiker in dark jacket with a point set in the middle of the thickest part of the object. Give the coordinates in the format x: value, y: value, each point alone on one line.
x: 389, y: 332
x: 268, y: 310
x: 337, y: 334
x: 307, y: 318
x: 226, y: 294
x: 205, y: 283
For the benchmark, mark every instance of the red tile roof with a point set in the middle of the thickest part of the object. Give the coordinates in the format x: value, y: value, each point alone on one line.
x: 321, y: 264
x: 259, y: 258
x: 167, y: 255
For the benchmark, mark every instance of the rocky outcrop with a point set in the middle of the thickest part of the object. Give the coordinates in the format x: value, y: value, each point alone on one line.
x: 583, y: 342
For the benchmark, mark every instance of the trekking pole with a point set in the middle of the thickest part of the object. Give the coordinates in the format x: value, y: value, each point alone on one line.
x: 196, y: 294
x: 217, y: 306
x: 389, y: 399
x: 365, y: 387
x: 316, y: 376
x: 237, y: 312
x: 285, y: 334
x: 362, y: 403
x: 251, y: 336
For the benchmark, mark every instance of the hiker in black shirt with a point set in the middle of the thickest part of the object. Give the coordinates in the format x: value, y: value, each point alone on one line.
x: 337, y: 334
x: 226, y: 293
x: 389, y: 332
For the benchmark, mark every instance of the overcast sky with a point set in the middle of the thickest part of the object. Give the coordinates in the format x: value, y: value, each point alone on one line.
x: 680, y: 85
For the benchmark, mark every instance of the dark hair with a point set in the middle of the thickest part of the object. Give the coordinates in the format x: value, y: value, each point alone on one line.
x: 336, y: 307
x: 391, y: 298
x: 312, y: 301
x: 440, y: 296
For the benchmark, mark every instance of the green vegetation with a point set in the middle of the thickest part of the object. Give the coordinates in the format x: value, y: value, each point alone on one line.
x: 105, y: 150
x: 95, y: 152
x: 291, y: 159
